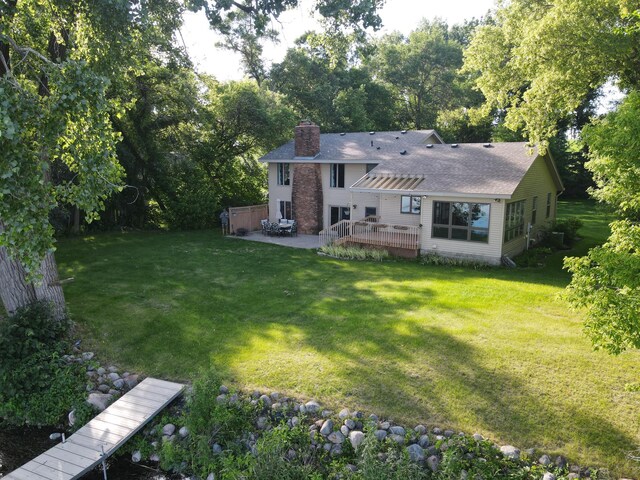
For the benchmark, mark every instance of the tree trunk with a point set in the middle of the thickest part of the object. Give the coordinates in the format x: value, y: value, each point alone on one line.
x: 49, y: 289
x: 15, y: 292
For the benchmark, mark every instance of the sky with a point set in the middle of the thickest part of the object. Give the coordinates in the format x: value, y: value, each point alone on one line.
x: 401, y: 15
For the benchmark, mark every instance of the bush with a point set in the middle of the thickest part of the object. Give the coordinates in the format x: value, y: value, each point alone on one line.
x: 36, y: 385
x: 434, y: 259
x: 568, y: 226
x: 534, y: 257
x: 354, y: 253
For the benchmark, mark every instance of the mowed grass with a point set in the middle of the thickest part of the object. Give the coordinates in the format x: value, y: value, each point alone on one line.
x: 493, y: 351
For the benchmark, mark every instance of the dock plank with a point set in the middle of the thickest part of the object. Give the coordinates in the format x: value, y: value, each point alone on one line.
x: 107, y: 432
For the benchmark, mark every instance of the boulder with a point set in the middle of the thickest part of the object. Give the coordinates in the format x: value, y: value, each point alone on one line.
x: 312, y: 406
x: 424, y: 441
x: 420, y: 429
x: 380, y: 434
x: 168, y: 429
x: 433, y: 463
x: 399, y: 439
x: 544, y: 460
x: 183, y: 432
x: 336, y: 437
x: 509, y: 451
x: 344, y: 413
x: 327, y: 427
x: 131, y: 381
x: 100, y: 401
x: 397, y: 430
x: 548, y: 476
x: 136, y: 456
x: 416, y: 453
x: 356, y: 438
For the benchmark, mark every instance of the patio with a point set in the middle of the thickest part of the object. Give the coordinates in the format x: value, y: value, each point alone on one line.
x: 299, y: 241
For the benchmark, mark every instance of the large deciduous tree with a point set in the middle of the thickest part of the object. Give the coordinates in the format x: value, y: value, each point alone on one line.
x: 538, y: 63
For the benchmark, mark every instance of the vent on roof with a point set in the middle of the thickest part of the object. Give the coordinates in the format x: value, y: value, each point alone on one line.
x: 372, y: 143
x: 454, y: 145
x: 403, y: 131
x: 487, y: 145
x: 377, y: 148
x: 372, y: 133
x: 342, y: 134
x: 403, y: 152
x: 397, y: 138
x: 429, y: 145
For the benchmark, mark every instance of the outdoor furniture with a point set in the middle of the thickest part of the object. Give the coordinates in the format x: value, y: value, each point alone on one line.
x: 265, y: 226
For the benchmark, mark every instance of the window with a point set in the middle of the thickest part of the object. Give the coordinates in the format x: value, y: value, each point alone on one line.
x: 283, y: 173
x: 514, y: 221
x: 340, y: 213
x: 337, y: 175
x: 461, y: 221
x: 548, y: 204
x: 371, y: 166
x: 534, y: 210
x: 370, y: 211
x: 410, y: 204
x: 284, y: 207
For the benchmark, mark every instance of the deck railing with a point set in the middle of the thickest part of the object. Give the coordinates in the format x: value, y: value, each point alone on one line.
x: 370, y: 233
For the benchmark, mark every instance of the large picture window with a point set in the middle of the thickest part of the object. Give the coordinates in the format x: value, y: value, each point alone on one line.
x: 283, y: 173
x: 514, y: 221
x: 337, y: 175
x: 461, y: 221
x: 410, y: 204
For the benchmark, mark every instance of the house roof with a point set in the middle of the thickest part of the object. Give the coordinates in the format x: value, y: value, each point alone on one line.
x: 357, y: 147
x: 470, y: 169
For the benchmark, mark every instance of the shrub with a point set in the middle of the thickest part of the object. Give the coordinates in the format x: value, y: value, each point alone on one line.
x: 568, y: 226
x: 534, y: 257
x: 36, y: 385
x: 434, y: 259
x: 354, y: 253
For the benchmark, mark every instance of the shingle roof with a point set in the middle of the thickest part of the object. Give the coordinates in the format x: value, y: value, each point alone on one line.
x: 470, y: 168
x: 356, y: 147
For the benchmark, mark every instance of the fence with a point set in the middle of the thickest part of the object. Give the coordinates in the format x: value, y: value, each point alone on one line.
x: 247, y: 217
x: 370, y: 233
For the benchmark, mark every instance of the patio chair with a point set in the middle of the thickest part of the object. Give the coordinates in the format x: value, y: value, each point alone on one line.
x: 274, y: 229
x: 265, y: 226
x: 294, y: 229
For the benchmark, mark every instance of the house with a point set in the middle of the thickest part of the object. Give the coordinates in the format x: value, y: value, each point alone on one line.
x: 409, y: 191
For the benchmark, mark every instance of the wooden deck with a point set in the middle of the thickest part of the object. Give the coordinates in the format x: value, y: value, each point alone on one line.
x: 102, y: 436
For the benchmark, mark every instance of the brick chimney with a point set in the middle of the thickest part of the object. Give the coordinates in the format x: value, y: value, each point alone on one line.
x: 307, y: 139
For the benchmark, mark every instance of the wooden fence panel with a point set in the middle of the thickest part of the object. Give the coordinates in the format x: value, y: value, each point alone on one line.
x: 247, y: 217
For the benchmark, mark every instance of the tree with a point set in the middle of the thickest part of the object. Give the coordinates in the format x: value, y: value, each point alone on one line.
x: 538, y: 63
x: 421, y: 70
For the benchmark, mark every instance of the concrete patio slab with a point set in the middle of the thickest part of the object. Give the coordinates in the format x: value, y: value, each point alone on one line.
x: 300, y: 241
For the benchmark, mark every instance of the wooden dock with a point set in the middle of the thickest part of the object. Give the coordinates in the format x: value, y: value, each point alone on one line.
x: 102, y: 436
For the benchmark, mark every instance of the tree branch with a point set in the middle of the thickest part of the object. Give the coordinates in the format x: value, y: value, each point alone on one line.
x: 24, y: 51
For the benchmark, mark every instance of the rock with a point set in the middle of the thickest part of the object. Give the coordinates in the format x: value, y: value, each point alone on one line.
x: 72, y: 417
x: 275, y: 396
x: 399, y: 439
x: 312, y: 406
x: 302, y: 409
x: 154, y: 457
x: 125, y: 374
x: 276, y: 406
x: 326, y: 413
x: 356, y: 438
x: 336, y: 437
x: 530, y: 452
x: 433, y: 462
x: 262, y: 422
x: 266, y: 401
x: 327, y: 446
x: 295, y: 421
x: 136, y: 456
x: 119, y: 383
x: 548, y: 476
x: 385, y: 425
x: 168, y: 429
x: 221, y: 399
x: 424, y: 441
x: 420, y: 429
x: 344, y: 430
x: 509, y: 451
x: 101, y: 371
x: 100, y: 401
x: 561, y: 462
x: 113, y: 369
x: 131, y: 381
x: 86, y: 356
x: 397, y: 430
x: 291, y: 454
x: 380, y: 434
x: 436, y: 431
x: 211, y: 476
x: 183, y: 432
x: 224, y: 389
x: 544, y: 460
x: 234, y: 399
x: 104, y: 388
x: 55, y: 436
x: 416, y: 453
x: 350, y: 424
x: 573, y: 476
x: 352, y: 468
x: 336, y: 450
x: 449, y: 433
x: 216, y: 449
x: 113, y: 376
x: 326, y: 428
x: 477, y: 437
x: 373, y: 417
x: 113, y: 391
x: 574, y: 469
x: 344, y: 413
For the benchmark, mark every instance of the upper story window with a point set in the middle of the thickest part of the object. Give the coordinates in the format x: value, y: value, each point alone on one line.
x: 371, y: 166
x: 548, y: 204
x: 514, y: 220
x: 461, y: 221
x: 336, y: 179
x: 410, y: 204
x: 283, y: 173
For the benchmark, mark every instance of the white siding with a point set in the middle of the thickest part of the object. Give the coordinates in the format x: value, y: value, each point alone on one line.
x: 390, y: 211
x: 489, y: 252
x: 538, y: 181
x: 362, y: 200
x: 340, y: 197
x: 278, y: 192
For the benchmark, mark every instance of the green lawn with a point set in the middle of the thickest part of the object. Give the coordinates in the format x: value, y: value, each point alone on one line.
x: 492, y: 351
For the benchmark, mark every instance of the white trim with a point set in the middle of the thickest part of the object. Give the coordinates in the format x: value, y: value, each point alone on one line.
x: 433, y: 194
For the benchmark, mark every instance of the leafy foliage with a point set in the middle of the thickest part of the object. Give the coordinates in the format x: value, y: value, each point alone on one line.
x: 36, y: 385
x: 355, y: 253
